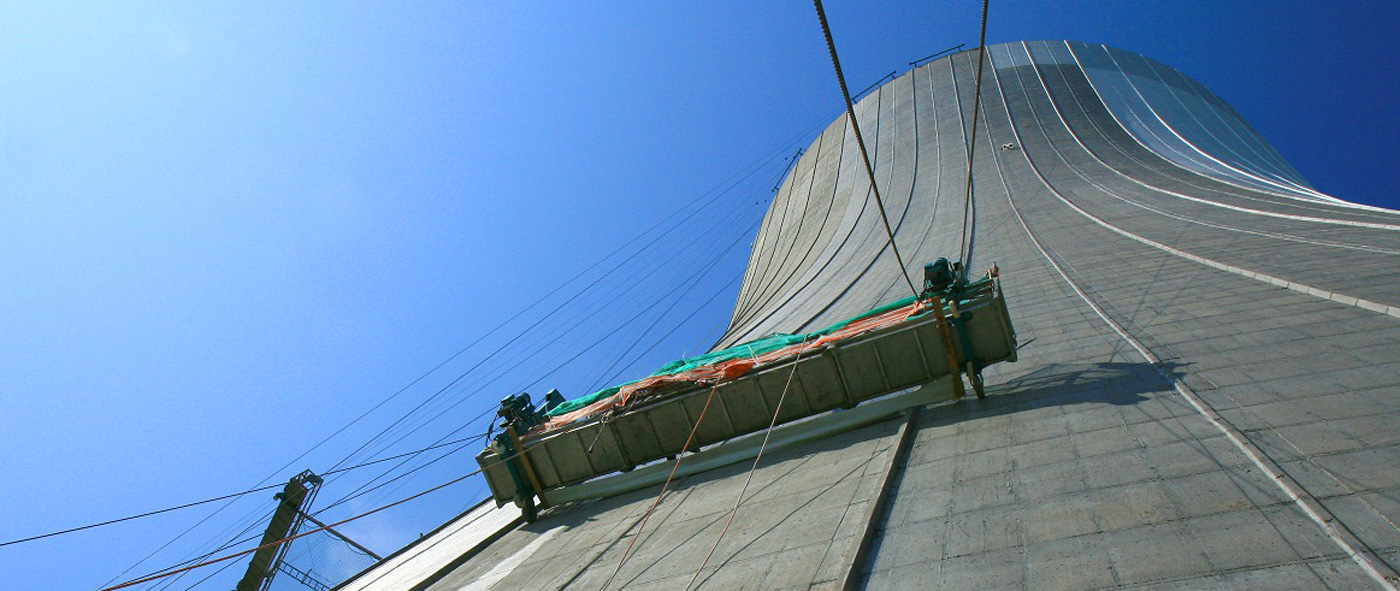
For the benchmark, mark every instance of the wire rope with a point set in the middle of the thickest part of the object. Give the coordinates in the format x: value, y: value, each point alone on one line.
x: 968, y: 210
x: 216, y: 499
x: 679, y: 288
x: 738, y: 500
x: 576, y: 356
x: 715, y: 192
x: 290, y: 538
x: 252, y: 520
x: 556, y: 310
x: 718, y: 191
x: 239, y: 540
x: 556, y: 313
x: 631, y: 362
x: 168, y: 572
x: 136, y: 516
x: 664, y: 487
x: 860, y: 142
x: 605, y: 376
x: 359, y: 492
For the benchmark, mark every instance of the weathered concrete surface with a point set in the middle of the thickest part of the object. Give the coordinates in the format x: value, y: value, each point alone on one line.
x: 1209, y: 390
x: 1255, y: 442
x: 796, y: 529
x: 414, y: 565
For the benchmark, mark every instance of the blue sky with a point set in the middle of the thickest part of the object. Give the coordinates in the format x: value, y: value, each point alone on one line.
x: 228, y: 230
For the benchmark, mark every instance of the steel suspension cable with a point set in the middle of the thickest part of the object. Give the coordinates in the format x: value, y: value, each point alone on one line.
x: 740, y: 176
x: 219, y: 498
x: 860, y: 142
x: 439, y: 443
x: 629, y: 363
x: 397, y: 482
x: 738, y: 500
x: 357, y: 492
x: 968, y: 210
x: 557, y: 367
x: 557, y: 312
x: 362, y: 490
x: 169, y: 572
x: 662, y: 263
x: 288, y: 538
x: 461, y: 444
x: 191, y: 528
x: 681, y: 288
x: 678, y: 288
x: 605, y: 376
x: 252, y: 520
x: 556, y: 309
x: 664, y: 487
x: 136, y: 516
x: 465, y: 441
x: 192, y: 558
x: 206, y: 577
x: 718, y: 191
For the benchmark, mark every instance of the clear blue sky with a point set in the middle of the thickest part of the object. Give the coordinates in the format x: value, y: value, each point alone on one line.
x: 227, y: 230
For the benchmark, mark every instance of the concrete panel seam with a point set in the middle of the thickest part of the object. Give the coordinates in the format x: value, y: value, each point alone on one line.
x: 1314, y: 510
x: 1143, y: 184
x: 1284, y: 283
x: 1283, y: 187
x: 1328, y: 198
x: 1374, y: 306
x: 862, y: 544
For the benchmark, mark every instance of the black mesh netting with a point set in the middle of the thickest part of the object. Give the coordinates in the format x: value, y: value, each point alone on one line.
x: 318, y: 561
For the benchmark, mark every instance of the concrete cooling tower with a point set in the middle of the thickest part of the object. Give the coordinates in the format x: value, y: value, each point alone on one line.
x: 1206, y: 392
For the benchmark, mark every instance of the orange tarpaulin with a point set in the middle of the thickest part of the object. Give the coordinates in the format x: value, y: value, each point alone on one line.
x: 730, y: 369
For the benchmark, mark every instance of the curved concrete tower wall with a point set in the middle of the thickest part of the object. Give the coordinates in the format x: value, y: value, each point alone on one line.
x: 1207, y: 395
x: 1177, y: 117
x: 822, y: 253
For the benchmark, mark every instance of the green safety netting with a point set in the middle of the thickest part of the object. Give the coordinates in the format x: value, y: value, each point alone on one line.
x: 752, y: 348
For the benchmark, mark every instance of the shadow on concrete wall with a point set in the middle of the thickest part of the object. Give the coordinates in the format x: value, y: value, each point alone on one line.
x: 1063, y: 384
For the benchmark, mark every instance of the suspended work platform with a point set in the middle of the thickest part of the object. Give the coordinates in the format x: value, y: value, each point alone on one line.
x: 950, y: 330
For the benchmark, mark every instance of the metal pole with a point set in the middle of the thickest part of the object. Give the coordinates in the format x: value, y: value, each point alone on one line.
x: 260, y: 567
